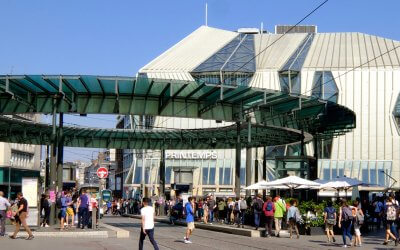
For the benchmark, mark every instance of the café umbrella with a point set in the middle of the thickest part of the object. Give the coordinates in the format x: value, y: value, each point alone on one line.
x: 292, y: 182
x: 262, y: 185
x: 341, y: 183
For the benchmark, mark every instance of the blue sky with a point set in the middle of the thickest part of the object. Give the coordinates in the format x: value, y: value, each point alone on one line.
x: 118, y: 37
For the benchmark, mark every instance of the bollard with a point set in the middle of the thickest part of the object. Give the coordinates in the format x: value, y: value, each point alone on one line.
x: 94, y: 217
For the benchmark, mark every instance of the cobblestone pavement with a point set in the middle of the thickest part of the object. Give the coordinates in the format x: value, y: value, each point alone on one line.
x: 171, y: 237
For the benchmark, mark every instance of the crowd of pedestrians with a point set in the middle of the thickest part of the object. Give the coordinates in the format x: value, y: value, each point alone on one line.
x: 350, y: 219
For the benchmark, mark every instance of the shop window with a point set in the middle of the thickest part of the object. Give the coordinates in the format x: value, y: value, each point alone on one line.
x: 340, y: 168
x: 168, y: 171
x: 205, y: 175
x: 325, y: 149
x: 326, y: 170
x: 372, y: 172
x: 274, y: 151
x: 271, y: 175
x: 221, y: 175
x: 242, y: 176
x: 211, y: 180
x: 364, y: 171
x: 227, y: 176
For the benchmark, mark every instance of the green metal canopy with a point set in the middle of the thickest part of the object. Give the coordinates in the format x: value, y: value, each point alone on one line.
x: 86, y: 94
x: 23, y: 131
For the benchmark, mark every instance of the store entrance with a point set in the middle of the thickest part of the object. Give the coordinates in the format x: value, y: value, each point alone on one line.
x: 183, y: 177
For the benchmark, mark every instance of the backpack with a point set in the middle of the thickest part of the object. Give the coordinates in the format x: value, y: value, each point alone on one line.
x: 347, y: 215
x: 269, y: 206
x: 360, y: 218
x: 391, y: 212
x: 59, y: 203
x: 257, y: 206
x: 243, y: 205
x: 236, y: 206
x: 330, y: 213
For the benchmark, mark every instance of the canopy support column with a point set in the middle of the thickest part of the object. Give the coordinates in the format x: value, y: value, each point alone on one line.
x: 248, y: 159
x: 162, y: 173
x: 53, y: 165
x: 237, y: 160
x: 256, y: 169
x: 60, y: 154
x: 302, y: 172
x: 264, y: 170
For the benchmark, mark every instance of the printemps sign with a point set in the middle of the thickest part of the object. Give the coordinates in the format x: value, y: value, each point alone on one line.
x: 201, y: 155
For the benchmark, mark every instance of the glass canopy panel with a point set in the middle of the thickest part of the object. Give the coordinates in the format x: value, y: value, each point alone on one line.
x: 126, y: 86
x: 77, y: 85
x: 92, y: 83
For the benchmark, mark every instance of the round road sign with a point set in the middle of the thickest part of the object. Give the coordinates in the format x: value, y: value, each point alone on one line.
x: 102, y: 172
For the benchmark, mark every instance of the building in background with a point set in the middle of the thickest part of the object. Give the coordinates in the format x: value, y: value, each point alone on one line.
x: 21, y: 160
x: 356, y: 70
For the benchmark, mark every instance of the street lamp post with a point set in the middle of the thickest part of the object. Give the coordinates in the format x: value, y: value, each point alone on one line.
x: 9, y: 179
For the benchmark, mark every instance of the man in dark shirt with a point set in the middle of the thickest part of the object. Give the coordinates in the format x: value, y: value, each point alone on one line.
x: 211, y: 207
x: 83, y: 210
x: 20, y: 217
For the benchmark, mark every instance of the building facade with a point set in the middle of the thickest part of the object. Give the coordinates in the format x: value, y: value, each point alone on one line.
x: 19, y: 160
x: 359, y: 71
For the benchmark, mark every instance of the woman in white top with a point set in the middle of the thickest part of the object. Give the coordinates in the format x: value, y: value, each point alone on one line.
x: 205, y: 209
x: 93, y: 204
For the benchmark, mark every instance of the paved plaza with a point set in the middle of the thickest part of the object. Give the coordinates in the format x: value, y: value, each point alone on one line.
x: 171, y: 237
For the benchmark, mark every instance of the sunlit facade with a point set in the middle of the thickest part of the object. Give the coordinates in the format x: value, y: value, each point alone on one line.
x: 359, y: 71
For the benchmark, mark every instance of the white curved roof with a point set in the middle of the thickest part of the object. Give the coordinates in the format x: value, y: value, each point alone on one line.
x: 348, y: 50
x: 327, y: 51
x: 186, y: 55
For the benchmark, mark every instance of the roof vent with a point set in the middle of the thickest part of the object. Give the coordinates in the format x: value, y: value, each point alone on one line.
x: 248, y: 31
x: 281, y: 29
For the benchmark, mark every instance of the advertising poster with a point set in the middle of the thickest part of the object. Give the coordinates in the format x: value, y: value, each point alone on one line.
x: 30, y: 192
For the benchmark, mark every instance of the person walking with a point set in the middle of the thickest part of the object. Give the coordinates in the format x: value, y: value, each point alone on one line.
x: 147, y: 229
x: 330, y: 218
x: 378, y: 211
x: 4, y: 205
x: 83, y: 210
x: 211, y: 206
x: 345, y: 221
x: 280, y: 209
x: 46, y: 206
x: 268, y: 209
x: 20, y: 217
x: 189, y: 211
x: 293, y: 216
x: 257, y: 209
x: 391, y: 216
x: 69, y: 210
x: 62, y: 205
x: 358, y: 220
x: 230, y: 217
x: 242, y: 211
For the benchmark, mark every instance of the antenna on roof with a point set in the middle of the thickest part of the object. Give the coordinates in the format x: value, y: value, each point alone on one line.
x: 206, y: 14
x: 262, y: 28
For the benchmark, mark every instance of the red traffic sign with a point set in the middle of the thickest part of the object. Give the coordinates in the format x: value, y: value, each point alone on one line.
x: 102, y: 172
